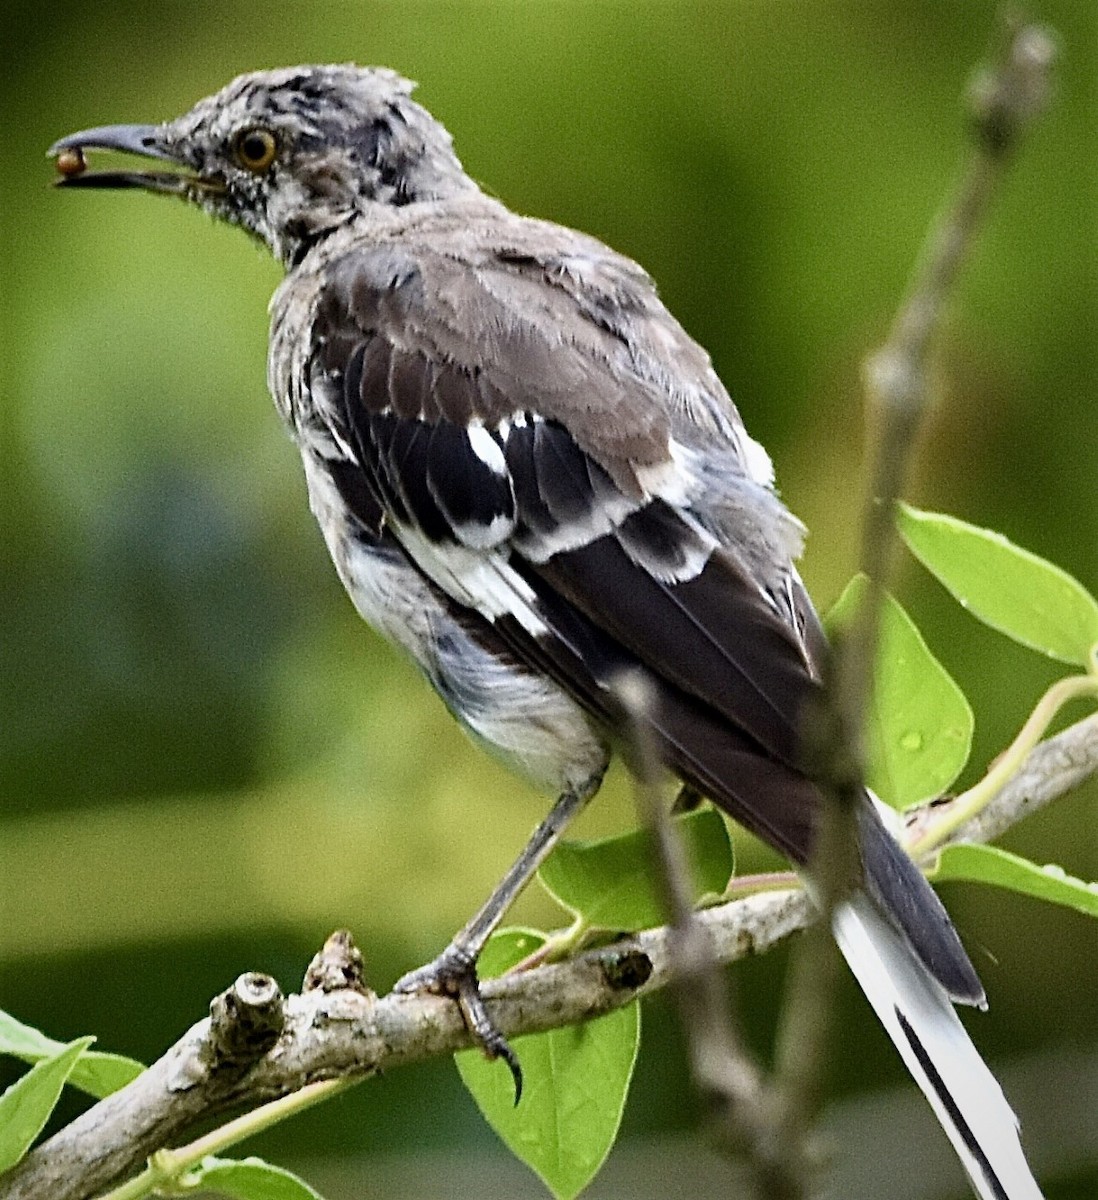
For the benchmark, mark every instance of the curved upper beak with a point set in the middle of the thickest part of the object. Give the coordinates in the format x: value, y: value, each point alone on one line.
x: 145, y: 140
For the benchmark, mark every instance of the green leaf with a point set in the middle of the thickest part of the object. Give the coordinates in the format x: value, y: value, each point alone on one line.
x: 989, y: 864
x: 505, y: 948
x: 575, y: 1084
x: 248, y: 1179
x: 99, y: 1074
x: 95, y: 1072
x: 919, y: 724
x: 1006, y: 587
x: 26, y: 1106
x: 610, y: 882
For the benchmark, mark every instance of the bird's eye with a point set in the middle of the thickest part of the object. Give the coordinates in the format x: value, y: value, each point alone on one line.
x: 255, y: 149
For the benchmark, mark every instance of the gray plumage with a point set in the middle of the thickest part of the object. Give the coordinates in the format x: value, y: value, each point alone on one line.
x: 530, y: 479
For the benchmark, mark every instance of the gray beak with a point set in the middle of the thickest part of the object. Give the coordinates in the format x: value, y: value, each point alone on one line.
x: 145, y: 140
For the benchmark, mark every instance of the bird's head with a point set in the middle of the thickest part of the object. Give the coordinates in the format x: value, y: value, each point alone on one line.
x: 290, y: 155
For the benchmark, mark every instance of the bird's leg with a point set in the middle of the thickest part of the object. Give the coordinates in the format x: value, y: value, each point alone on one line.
x: 454, y: 972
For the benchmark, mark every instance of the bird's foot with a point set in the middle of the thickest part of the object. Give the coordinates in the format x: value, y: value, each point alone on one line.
x: 454, y: 973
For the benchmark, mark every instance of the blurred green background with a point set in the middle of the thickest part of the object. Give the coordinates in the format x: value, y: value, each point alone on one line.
x: 207, y: 763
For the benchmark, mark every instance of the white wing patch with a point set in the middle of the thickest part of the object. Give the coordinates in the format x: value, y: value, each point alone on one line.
x: 672, y: 480
x: 486, y: 448
x: 478, y: 579
x: 756, y: 460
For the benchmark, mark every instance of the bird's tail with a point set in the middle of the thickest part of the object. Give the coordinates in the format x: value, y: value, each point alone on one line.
x: 920, y: 1019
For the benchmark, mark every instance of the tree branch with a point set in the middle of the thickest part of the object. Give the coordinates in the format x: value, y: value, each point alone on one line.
x: 333, y: 1034
x: 337, y: 1028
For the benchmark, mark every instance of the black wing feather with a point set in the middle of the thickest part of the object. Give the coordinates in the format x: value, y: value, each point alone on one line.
x: 721, y: 761
x: 468, y: 491
x: 409, y: 384
x: 560, y: 470
x: 532, y: 511
x: 711, y: 636
x: 405, y: 469
x: 373, y: 374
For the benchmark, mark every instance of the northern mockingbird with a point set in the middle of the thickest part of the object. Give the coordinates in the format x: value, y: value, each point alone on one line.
x: 531, y: 480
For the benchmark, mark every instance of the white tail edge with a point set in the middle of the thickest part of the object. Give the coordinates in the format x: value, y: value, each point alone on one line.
x: 919, y: 1017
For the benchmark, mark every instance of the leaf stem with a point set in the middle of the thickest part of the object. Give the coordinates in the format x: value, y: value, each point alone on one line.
x: 770, y: 881
x: 976, y: 799
x: 557, y: 945
x: 166, y: 1167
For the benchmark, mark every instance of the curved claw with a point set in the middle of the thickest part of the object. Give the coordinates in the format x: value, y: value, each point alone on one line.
x: 479, y: 1024
x: 455, y: 974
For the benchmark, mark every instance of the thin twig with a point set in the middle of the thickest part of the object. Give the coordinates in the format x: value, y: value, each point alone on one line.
x: 1003, y: 99
x: 967, y: 806
x: 725, y: 1074
x: 1053, y: 768
x: 167, y: 1167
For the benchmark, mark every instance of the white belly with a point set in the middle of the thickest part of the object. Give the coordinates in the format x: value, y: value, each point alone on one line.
x: 523, y: 718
